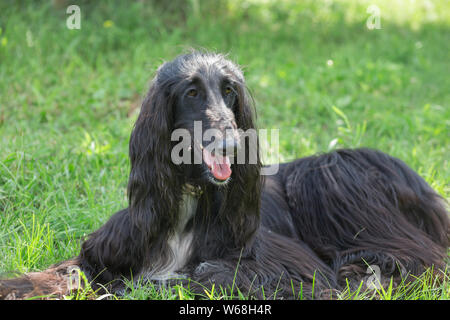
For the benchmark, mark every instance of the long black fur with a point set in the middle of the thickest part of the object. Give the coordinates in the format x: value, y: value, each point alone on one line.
x: 228, y: 235
x: 362, y: 207
x: 319, y: 221
x: 353, y: 208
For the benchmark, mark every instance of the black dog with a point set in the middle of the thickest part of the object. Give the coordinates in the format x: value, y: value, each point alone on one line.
x: 317, y: 222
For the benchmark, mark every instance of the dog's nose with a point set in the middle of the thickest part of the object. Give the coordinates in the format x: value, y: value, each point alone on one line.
x: 228, y: 147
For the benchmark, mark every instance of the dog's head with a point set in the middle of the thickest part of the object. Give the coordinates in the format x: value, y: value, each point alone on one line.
x: 200, y: 111
x: 206, y: 111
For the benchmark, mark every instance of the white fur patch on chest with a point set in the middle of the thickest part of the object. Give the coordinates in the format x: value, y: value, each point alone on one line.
x: 179, y: 244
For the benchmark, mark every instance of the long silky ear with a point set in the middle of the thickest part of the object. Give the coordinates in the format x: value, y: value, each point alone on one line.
x: 242, y: 202
x: 154, y: 179
x: 245, y: 108
x: 133, y: 238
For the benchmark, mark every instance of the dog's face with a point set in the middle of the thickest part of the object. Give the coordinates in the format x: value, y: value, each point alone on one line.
x: 205, y: 106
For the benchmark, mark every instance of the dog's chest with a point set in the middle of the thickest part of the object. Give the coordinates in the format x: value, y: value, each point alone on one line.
x: 179, y: 244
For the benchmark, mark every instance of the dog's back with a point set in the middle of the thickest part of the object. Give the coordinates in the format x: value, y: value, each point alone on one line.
x: 360, y: 207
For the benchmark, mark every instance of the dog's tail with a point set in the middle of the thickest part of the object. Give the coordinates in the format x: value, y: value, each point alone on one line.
x: 57, y: 281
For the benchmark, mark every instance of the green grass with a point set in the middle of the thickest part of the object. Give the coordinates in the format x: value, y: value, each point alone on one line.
x: 428, y: 286
x: 68, y: 100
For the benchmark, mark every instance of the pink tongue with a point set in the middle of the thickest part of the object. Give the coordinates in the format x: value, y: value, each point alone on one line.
x: 219, y: 165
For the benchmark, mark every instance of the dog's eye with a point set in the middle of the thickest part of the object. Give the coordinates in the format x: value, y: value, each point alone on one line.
x: 192, y: 93
x: 228, y: 90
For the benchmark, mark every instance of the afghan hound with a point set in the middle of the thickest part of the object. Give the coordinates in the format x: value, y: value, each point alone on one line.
x: 212, y: 219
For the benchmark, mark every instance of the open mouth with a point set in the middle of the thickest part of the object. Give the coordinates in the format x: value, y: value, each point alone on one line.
x: 218, y: 165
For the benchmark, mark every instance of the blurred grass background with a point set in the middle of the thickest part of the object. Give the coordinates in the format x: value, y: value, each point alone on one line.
x: 68, y: 98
